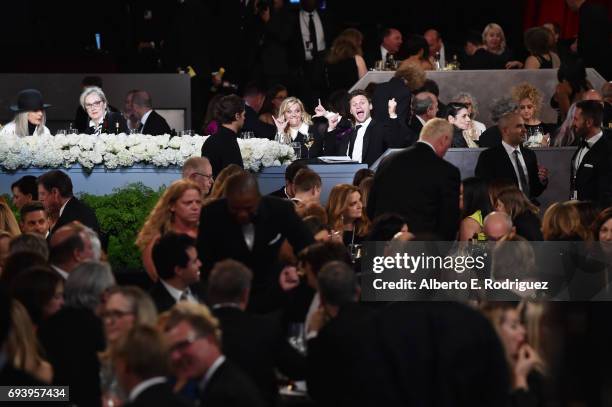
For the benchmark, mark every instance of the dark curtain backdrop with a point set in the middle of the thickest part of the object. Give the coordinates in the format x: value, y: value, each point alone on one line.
x: 538, y: 12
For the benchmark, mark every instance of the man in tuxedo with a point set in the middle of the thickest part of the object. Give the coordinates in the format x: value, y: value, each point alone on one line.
x: 150, y: 122
x: 140, y: 363
x: 222, y: 148
x: 388, y: 48
x: 424, y: 108
x: 287, y: 192
x: 55, y: 193
x: 437, y: 49
x: 176, y: 260
x: 371, y: 137
x: 70, y: 246
x: 418, y: 184
x: 511, y: 160
x: 250, y: 228
x: 591, y: 166
x: 266, y: 348
x: 400, y: 88
x: 199, y: 170
x: 254, y: 97
x: 194, y: 338
x: 307, y: 186
x: 33, y: 218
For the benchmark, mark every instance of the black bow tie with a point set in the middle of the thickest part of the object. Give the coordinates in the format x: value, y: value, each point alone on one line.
x: 584, y: 144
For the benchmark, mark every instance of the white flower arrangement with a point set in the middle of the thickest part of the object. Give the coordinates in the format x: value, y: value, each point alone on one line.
x: 122, y: 150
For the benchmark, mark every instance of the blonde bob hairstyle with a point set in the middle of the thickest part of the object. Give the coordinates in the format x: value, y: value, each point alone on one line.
x: 161, y: 217
x: 92, y: 90
x: 491, y: 27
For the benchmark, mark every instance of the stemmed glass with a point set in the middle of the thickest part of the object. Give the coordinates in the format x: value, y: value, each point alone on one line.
x: 308, y: 142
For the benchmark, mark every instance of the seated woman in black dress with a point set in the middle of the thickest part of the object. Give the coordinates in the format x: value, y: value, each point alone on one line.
x: 344, y: 64
x: 529, y: 101
x: 457, y: 114
x: 495, y: 55
x: 539, y: 42
x: 101, y: 120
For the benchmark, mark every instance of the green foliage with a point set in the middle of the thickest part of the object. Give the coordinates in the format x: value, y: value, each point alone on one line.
x: 121, y: 215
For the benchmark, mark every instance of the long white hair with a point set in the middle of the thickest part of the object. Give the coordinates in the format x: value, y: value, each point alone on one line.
x: 21, y: 124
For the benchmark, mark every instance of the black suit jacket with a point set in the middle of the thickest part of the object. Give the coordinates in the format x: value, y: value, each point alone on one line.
x: 494, y: 163
x: 415, y: 125
x: 164, y: 300
x: 394, y: 88
x: 593, y: 180
x: 113, y: 123
x: 378, y: 138
x: 252, y: 123
x: 491, y: 137
x: 76, y: 210
x: 156, y: 125
x: 222, y: 149
x: 594, y: 38
x: 266, y: 348
x: 420, y: 186
x: 220, y: 237
x: 297, y: 52
x: 230, y: 387
x: 158, y: 395
x: 279, y: 193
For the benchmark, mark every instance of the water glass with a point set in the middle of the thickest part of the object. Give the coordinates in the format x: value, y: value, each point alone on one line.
x: 247, y: 135
x: 297, y: 149
x: 186, y: 133
x: 297, y: 337
x: 379, y: 65
x: 62, y: 132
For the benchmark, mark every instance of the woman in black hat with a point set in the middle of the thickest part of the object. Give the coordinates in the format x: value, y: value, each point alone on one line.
x: 101, y: 120
x: 30, y: 115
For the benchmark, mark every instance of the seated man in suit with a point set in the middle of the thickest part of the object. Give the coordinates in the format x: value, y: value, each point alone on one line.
x: 267, y: 348
x: 55, y: 193
x: 388, y: 48
x: 418, y: 184
x: 34, y: 219
x: 371, y: 137
x: 424, y: 108
x: 199, y: 170
x: 437, y: 49
x: 176, y: 260
x: 194, y: 338
x: 140, y: 363
x: 591, y: 166
x: 70, y: 246
x: 250, y: 228
x: 254, y: 97
x: 222, y: 147
x: 150, y: 122
x: 287, y: 192
x: 510, y: 160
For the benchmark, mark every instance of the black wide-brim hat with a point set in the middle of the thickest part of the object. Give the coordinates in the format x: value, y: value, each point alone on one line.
x: 29, y: 100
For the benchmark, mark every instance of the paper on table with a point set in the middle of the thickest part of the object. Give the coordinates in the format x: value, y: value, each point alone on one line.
x: 336, y: 159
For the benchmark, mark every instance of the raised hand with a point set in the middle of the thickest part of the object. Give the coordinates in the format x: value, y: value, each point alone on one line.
x: 281, y: 124
x: 333, y: 121
x: 392, y: 107
x: 319, y: 110
x: 543, y: 174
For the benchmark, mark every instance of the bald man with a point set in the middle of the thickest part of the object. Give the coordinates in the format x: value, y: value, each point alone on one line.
x: 199, y: 170
x: 497, y: 225
x: 420, y: 185
x: 251, y: 228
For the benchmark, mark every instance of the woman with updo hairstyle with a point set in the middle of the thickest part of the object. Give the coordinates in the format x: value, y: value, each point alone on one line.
x: 178, y: 210
x: 539, y: 43
x: 524, y: 214
x: 345, y: 213
x: 30, y: 115
x: 529, y: 100
x: 457, y: 115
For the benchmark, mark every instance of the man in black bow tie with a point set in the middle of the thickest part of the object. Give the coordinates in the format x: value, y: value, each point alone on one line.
x: 591, y: 167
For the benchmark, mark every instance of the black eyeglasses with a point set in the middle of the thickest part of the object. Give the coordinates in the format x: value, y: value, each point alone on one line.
x: 210, y: 177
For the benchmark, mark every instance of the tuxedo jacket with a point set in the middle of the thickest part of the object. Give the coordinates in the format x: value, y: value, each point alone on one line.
x: 379, y: 136
x: 491, y: 137
x: 75, y: 210
x: 266, y: 348
x: 297, y: 52
x: 393, y: 88
x: 229, y: 386
x: 220, y: 237
x: 164, y: 300
x: 113, y: 123
x: 420, y: 186
x: 222, y: 149
x: 252, y: 123
x: 155, y: 125
x: 494, y: 163
x: 415, y: 125
x: 593, y: 180
x: 157, y: 395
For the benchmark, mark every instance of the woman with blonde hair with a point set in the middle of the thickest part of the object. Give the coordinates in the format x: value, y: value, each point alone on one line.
x: 8, y: 223
x: 344, y: 64
x: 529, y: 100
x: 178, y: 210
x: 30, y: 115
x: 561, y: 222
x: 494, y: 41
x: 294, y: 125
x: 23, y: 348
x: 345, y: 212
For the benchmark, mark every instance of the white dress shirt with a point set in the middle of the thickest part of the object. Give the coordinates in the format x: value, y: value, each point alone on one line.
x: 248, y: 231
x: 510, y: 150
x: 442, y: 59
x: 145, y: 117
x: 358, y: 146
x: 304, y: 19
x: 142, y: 386
x: 63, y: 207
x: 61, y: 272
x: 583, y: 150
x: 302, y: 129
x: 176, y: 293
x: 423, y: 122
x: 383, y: 53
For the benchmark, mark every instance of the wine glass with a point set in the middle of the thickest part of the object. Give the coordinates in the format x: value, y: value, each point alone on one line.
x: 308, y: 142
